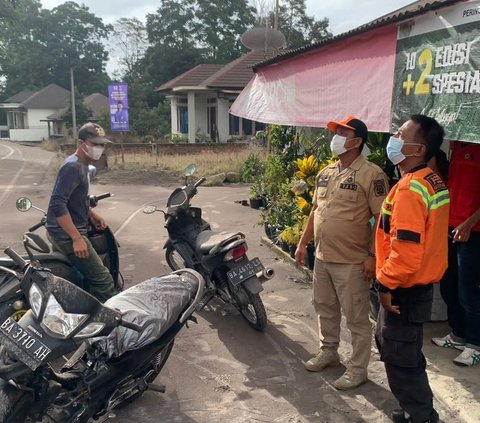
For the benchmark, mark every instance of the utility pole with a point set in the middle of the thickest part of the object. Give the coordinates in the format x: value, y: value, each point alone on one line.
x: 74, y: 114
x: 275, y: 25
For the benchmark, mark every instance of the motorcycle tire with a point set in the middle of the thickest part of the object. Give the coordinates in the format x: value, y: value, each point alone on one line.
x: 174, y: 259
x: 254, y: 311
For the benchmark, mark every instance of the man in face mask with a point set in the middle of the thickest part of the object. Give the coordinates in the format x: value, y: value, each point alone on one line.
x: 69, y: 212
x: 411, y: 250
x: 348, y: 194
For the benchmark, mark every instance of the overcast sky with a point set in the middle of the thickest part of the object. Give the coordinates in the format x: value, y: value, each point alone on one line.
x: 343, y: 14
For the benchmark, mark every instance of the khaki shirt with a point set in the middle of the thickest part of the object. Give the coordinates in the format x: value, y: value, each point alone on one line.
x: 346, y: 201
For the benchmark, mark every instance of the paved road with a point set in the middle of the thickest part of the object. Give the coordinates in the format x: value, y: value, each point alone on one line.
x: 221, y: 370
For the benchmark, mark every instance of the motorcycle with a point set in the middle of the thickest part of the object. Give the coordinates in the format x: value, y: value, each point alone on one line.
x: 220, y: 257
x: 72, y: 359
x: 103, y: 241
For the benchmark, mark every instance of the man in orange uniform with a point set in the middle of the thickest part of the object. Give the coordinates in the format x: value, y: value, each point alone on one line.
x: 411, y: 250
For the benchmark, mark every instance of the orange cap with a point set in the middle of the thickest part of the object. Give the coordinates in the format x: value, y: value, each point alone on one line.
x: 351, y: 122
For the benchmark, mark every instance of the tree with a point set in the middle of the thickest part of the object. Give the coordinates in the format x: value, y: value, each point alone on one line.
x: 41, y: 46
x: 173, y: 24
x: 299, y: 28
x: 129, y: 41
x: 219, y: 26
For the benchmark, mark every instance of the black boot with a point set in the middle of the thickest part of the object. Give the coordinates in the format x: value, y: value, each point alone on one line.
x: 398, y: 416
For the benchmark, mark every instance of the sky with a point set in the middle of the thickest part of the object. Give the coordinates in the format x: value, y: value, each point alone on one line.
x: 343, y: 14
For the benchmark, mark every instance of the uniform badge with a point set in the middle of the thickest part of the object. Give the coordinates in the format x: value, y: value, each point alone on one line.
x: 379, y: 188
x: 436, y: 182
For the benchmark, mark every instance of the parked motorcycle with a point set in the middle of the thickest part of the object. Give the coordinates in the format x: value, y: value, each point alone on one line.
x: 115, y: 350
x: 103, y: 241
x: 221, y: 257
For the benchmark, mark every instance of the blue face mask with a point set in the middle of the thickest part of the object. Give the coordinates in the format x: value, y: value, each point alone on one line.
x: 394, y: 150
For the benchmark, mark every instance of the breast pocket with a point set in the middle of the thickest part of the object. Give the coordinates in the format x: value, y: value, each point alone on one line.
x: 344, y: 205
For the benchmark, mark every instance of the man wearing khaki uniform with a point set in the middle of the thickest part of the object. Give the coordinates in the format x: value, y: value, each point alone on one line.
x: 348, y: 194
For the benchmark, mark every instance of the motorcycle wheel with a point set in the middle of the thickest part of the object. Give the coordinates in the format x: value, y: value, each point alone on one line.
x: 254, y: 312
x: 174, y: 259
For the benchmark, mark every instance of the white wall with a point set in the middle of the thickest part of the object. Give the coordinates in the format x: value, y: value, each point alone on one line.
x: 29, y: 134
x: 35, y: 115
x: 201, y: 112
x: 223, y: 105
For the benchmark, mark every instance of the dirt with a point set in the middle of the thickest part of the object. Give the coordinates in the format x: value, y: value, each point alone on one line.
x: 164, y: 178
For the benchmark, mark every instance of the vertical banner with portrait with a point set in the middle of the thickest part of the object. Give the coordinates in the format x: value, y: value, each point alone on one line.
x: 437, y: 71
x: 118, y: 103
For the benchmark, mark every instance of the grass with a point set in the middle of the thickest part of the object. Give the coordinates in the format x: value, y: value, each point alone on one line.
x: 207, y: 163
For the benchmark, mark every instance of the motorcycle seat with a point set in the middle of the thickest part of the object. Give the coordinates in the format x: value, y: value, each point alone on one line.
x: 206, y: 240
x: 155, y: 305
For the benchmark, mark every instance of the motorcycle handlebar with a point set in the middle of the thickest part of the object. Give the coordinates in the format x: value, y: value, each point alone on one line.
x: 38, y: 225
x: 19, y: 261
x: 200, y: 182
x: 94, y: 199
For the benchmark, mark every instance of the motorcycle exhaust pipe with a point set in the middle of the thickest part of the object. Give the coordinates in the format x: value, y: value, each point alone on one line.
x: 266, y: 274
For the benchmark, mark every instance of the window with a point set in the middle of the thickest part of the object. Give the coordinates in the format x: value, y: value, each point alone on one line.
x: 247, y: 126
x: 182, y: 119
x: 234, y: 125
x: 259, y: 126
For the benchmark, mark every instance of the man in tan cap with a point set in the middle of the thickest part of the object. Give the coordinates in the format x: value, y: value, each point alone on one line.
x: 348, y: 194
x: 69, y: 212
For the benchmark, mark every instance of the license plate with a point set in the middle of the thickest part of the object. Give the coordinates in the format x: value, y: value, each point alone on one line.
x: 24, y: 346
x: 245, y: 271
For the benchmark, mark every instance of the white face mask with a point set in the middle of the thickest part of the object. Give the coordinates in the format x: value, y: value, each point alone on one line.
x: 337, y: 145
x: 94, y: 152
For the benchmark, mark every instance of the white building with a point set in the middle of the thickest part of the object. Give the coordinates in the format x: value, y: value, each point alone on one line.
x: 201, y: 100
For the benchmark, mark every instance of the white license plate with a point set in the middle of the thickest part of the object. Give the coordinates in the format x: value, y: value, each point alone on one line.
x: 245, y: 271
x: 25, y: 346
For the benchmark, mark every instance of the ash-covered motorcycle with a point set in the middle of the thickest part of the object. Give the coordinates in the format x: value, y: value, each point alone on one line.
x: 221, y: 257
x: 115, y: 350
x: 103, y: 240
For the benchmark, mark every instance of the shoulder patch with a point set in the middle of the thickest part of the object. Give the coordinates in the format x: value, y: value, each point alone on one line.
x: 436, y: 182
x: 379, y: 188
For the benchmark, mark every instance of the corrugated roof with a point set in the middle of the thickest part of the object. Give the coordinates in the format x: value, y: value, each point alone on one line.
x: 404, y: 13
x: 193, y: 77
x: 236, y: 74
x: 50, y: 97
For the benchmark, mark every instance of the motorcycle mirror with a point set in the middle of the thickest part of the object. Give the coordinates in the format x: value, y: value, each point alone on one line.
x: 190, y: 170
x: 23, y: 204
x: 150, y: 209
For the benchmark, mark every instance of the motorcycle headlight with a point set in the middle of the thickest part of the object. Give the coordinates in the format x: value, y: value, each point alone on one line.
x: 90, y: 330
x: 35, y: 299
x: 57, y: 321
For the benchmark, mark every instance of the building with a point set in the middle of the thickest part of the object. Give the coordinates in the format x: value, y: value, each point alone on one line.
x: 201, y: 99
x: 38, y: 115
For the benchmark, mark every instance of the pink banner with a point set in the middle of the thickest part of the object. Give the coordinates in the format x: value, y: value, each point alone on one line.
x: 350, y: 77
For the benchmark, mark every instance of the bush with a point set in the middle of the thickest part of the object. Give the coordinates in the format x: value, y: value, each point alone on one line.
x: 252, y: 168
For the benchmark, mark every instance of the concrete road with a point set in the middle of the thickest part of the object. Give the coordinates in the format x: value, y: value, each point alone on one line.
x: 221, y: 370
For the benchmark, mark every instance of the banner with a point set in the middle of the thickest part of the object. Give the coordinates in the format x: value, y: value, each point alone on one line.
x: 118, y: 102
x: 437, y: 71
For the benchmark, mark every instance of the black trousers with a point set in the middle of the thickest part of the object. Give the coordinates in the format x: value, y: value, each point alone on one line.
x: 399, y: 339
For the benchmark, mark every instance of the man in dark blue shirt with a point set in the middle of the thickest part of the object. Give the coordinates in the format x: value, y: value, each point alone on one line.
x: 69, y: 212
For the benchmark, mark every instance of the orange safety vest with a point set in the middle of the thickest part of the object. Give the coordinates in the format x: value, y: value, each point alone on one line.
x: 412, y: 232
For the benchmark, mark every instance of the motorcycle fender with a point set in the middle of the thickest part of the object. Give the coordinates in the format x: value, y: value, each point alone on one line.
x: 253, y: 285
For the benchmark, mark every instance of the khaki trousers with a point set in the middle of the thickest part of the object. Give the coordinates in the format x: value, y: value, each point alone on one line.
x: 342, y: 287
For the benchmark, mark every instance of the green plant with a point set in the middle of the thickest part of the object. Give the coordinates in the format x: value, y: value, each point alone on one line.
x: 257, y: 189
x: 252, y: 168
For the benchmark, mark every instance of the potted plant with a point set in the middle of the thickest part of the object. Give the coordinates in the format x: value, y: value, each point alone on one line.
x: 257, y: 197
